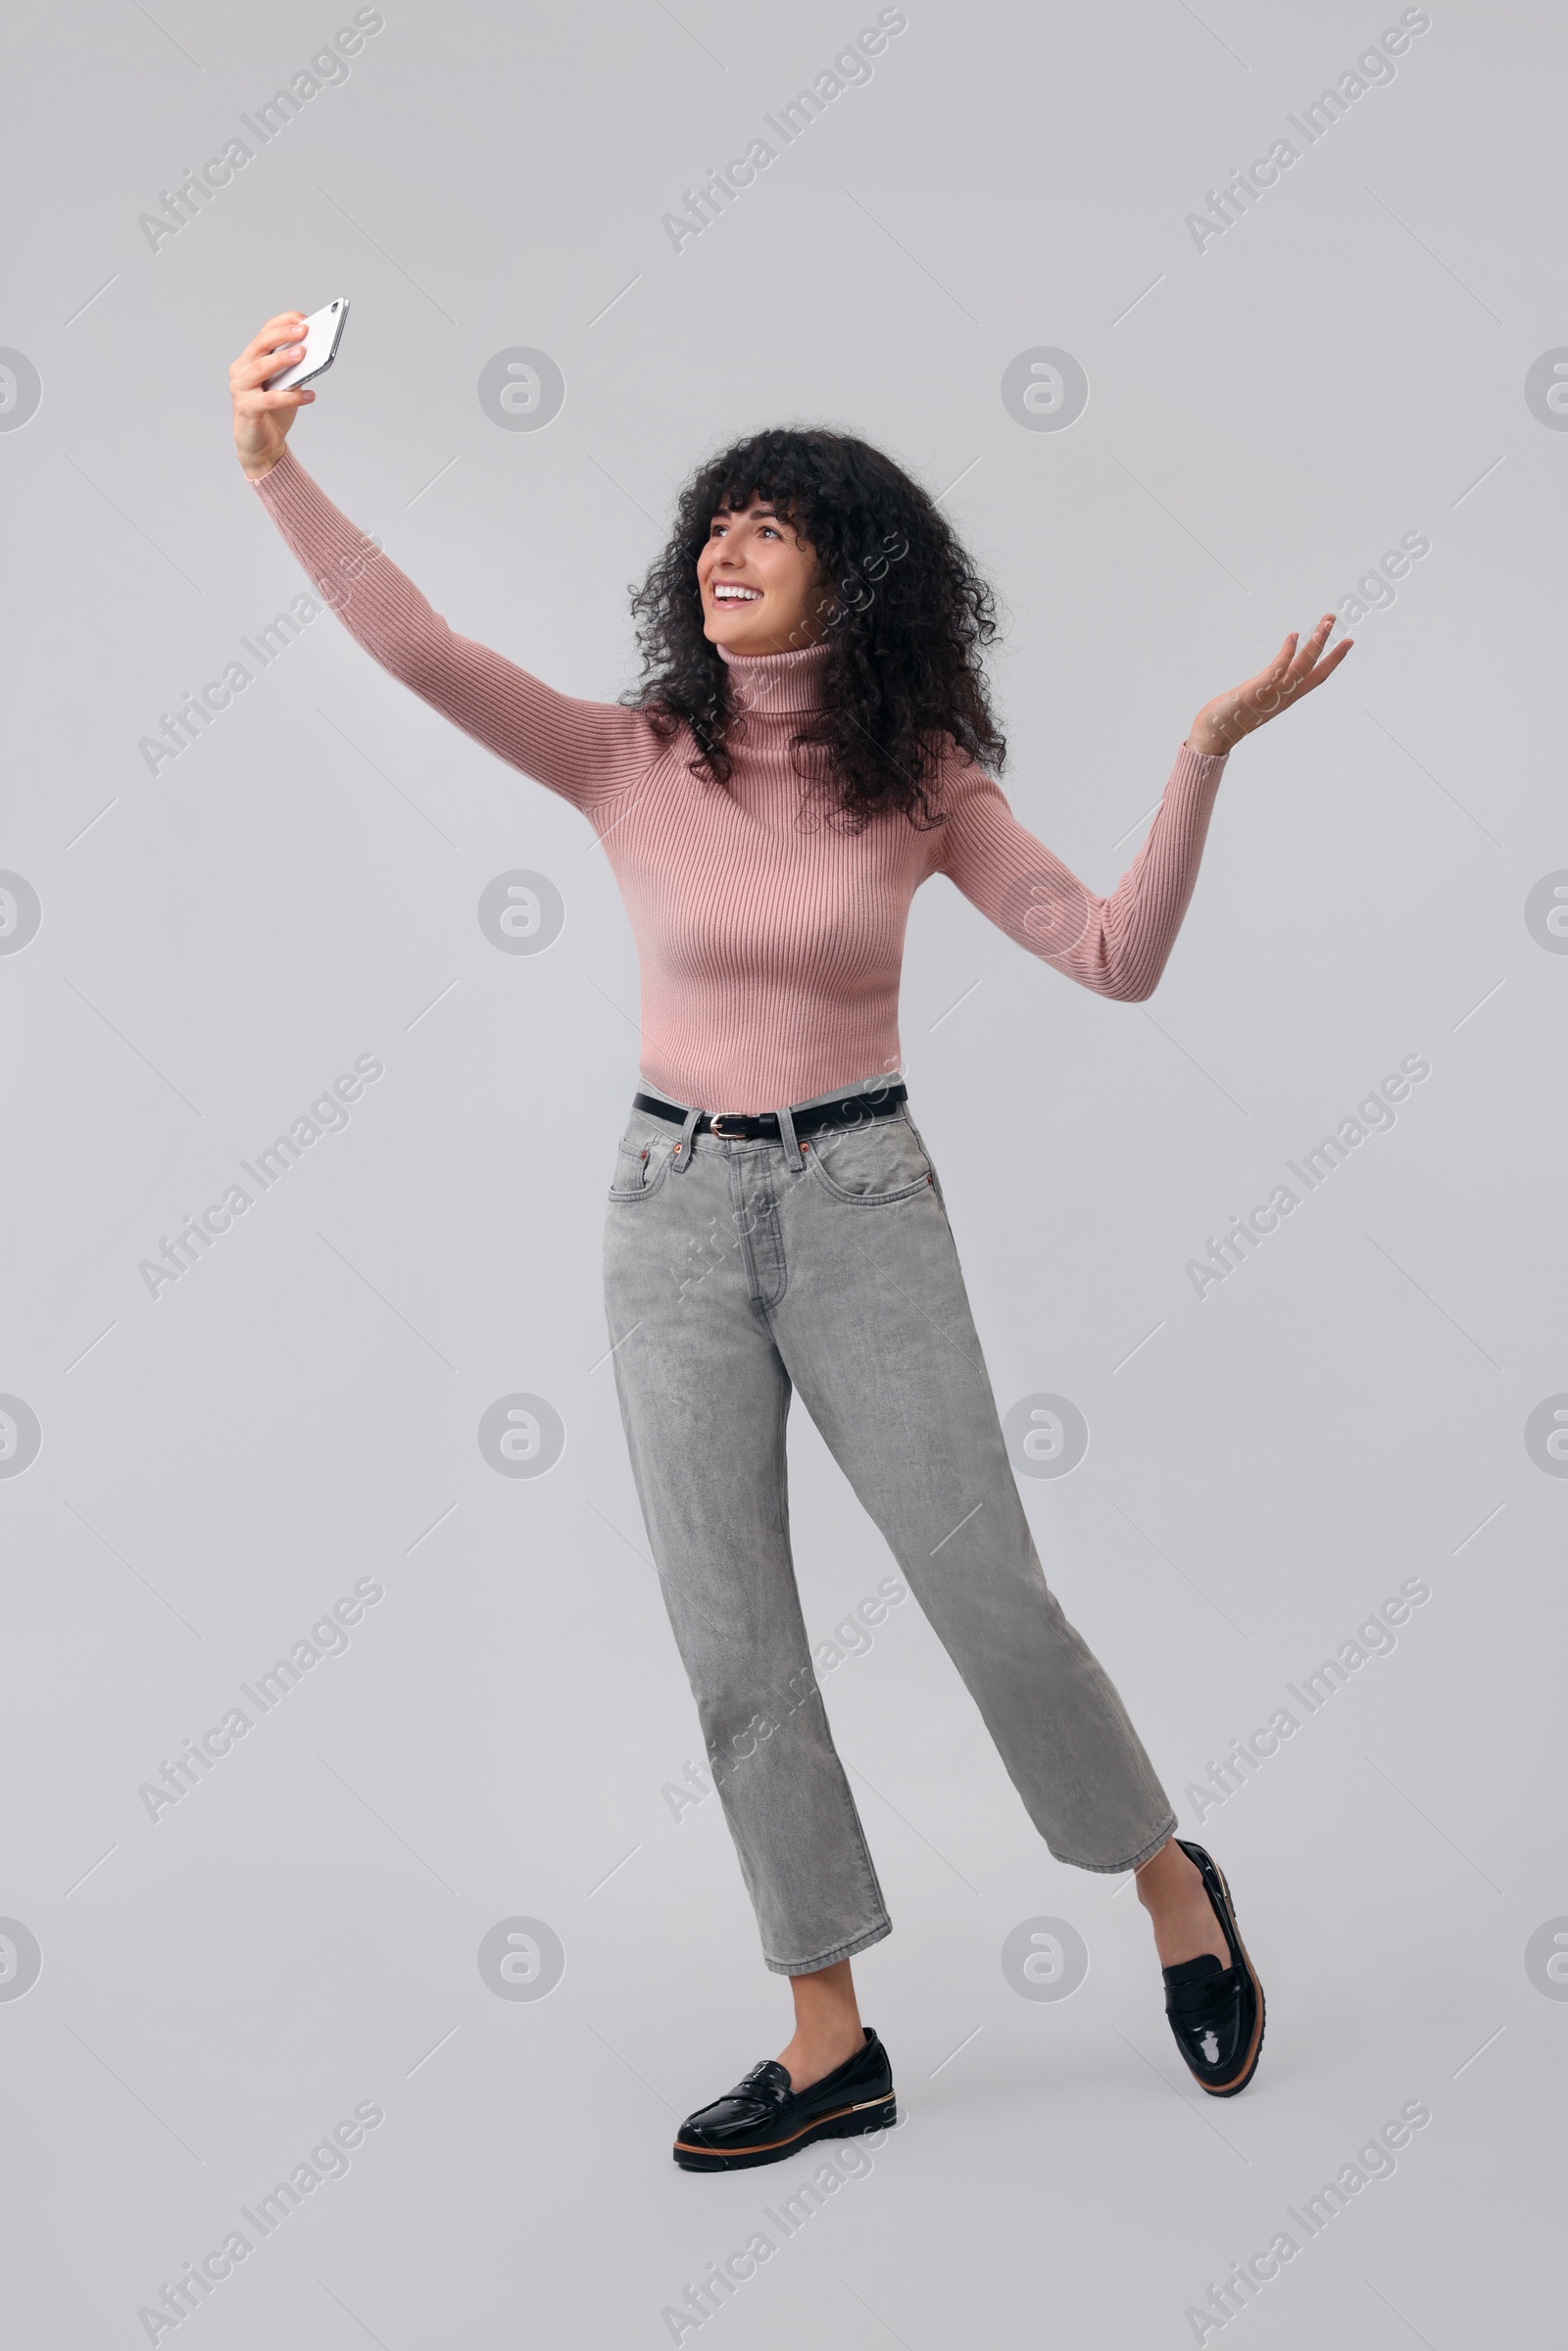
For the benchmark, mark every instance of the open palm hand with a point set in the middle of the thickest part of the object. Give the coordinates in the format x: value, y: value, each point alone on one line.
x: 1295, y: 669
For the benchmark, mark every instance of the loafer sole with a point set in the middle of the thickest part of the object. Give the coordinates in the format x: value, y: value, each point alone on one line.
x: 846, y: 2121
x: 1254, y: 2047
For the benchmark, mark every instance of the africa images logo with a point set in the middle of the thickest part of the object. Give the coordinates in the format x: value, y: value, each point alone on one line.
x: 181, y: 204
x: 1373, y: 1115
x: 707, y: 203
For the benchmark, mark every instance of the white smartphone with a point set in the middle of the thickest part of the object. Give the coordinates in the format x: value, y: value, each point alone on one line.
x: 321, y: 334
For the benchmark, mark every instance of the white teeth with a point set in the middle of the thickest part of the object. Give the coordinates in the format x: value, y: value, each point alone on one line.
x: 732, y: 595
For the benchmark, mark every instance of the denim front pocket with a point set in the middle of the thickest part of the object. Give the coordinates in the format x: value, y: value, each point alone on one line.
x: 871, y: 1165
x: 642, y: 1159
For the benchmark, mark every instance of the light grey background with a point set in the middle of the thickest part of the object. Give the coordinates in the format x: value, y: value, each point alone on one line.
x: 301, y: 886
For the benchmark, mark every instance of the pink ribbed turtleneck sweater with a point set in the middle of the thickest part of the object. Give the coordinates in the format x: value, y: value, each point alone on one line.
x: 769, y: 942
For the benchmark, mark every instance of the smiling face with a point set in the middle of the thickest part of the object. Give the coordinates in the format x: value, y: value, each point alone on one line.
x: 758, y: 582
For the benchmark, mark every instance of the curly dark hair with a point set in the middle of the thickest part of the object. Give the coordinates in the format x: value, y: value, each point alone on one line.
x: 908, y: 616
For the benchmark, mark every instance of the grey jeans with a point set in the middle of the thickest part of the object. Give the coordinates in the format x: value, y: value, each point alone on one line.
x: 736, y: 1273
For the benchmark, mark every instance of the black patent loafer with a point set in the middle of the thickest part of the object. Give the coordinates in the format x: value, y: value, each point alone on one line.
x: 763, y: 2120
x: 1215, y: 2012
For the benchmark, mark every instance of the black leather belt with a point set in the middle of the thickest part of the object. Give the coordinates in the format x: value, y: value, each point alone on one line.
x: 753, y: 1126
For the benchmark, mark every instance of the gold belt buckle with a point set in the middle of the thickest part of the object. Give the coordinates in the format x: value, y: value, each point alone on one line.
x: 715, y: 1125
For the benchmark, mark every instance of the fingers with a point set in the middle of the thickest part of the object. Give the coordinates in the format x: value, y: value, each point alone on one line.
x: 276, y: 331
x: 1293, y: 672
x: 1296, y: 659
x: 1272, y: 674
x: 268, y: 360
x: 1314, y: 644
x: 245, y: 373
x: 258, y: 353
x: 258, y: 404
x: 1308, y: 668
x: 273, y: 336
x: 1326, y: 668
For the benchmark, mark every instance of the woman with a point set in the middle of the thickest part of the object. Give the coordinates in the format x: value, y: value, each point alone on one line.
x: 810, y: 743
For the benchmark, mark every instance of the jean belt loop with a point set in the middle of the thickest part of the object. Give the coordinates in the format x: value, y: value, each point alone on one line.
x: 789, y: 1139
x: 682, y: 1154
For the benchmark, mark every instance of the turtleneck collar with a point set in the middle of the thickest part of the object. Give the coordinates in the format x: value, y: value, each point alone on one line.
x: 783, y: 683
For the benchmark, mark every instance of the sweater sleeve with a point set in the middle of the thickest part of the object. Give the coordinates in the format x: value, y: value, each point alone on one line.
x: 1120, y: 945
x: 586, y: 751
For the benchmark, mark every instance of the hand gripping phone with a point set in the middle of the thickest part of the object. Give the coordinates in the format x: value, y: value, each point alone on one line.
x: 321, y: 334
